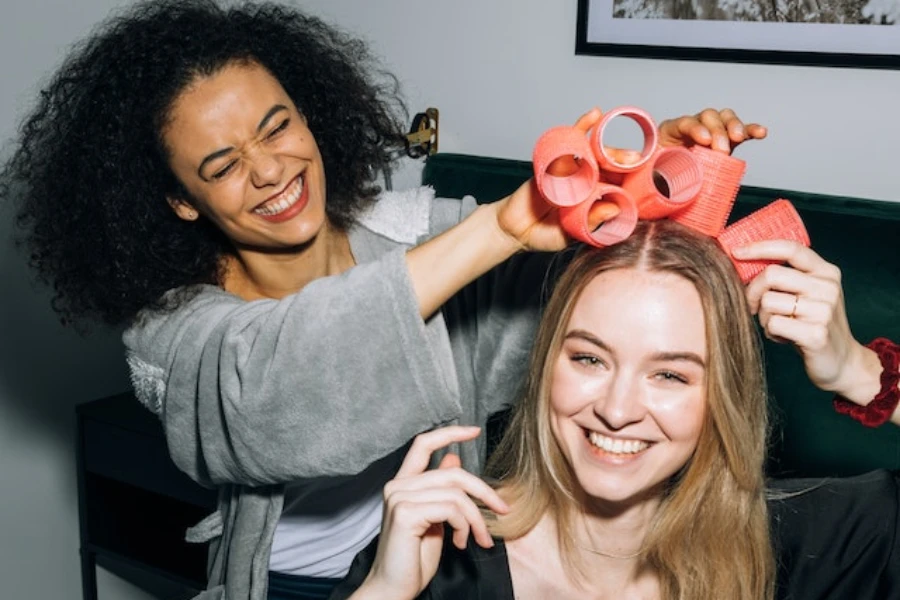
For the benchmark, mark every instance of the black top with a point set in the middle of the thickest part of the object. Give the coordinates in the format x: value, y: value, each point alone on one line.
x: 835, y: 539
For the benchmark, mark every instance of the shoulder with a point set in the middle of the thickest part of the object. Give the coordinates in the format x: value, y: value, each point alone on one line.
x: 153, y: 334
x: 412, y: 216
x: 837, y: 534
x: 402, y: 216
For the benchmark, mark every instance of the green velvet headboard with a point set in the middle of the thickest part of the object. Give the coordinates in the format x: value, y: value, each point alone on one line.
x: 860, y: 236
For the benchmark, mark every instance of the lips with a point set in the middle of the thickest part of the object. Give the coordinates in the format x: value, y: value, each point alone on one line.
x: 616, y: 446
x: 286, y: 204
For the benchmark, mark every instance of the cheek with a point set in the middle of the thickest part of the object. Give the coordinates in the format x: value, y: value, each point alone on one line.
x: 566, y: 391
x: 680, y: 416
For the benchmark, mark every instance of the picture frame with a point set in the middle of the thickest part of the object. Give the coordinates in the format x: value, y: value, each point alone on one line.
x: 726, y: 31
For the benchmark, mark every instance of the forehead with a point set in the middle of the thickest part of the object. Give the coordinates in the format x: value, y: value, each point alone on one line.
x: 642, y: 311
x: 230, y: 101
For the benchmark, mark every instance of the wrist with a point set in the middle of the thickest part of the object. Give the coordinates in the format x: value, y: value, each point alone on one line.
x: 862, y: 378
x: 505, y: 241
x: 883, y: 406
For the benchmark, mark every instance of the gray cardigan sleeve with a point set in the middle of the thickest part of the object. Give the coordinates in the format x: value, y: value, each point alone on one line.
x: 493, y: 320
x: 321, y: 383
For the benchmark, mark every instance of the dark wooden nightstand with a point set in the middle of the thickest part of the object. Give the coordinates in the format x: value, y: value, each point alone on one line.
x: 134, y: 505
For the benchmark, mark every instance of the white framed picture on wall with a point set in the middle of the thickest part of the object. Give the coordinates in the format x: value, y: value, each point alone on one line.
x: 837, y: 33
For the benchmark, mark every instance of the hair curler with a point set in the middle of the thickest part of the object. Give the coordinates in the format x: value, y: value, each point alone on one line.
x: 648, y: 127
x: 778, y: 220
x: 722, y: 176
x: 666, y: 184
x: 577, y: 220
x: 570, y: 189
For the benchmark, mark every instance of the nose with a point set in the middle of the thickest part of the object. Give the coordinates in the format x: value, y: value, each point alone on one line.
x: 266, y: 168
x: 621, y: 403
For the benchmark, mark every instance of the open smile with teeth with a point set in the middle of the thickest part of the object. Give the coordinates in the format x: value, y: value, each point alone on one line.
x: 283, y: 201
x: 616, y: 446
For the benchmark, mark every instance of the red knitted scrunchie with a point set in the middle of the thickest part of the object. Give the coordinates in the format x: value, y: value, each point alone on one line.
x: 880, y: 409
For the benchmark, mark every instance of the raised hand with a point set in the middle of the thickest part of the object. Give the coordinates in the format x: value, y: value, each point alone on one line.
x: 802, y: 303
x: 720, y: 130
x: 417, y: 504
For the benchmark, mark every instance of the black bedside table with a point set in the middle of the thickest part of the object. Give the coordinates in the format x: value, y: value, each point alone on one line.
x: 134, y: 505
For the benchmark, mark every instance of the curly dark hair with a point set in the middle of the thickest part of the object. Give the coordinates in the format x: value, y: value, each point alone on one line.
x: 90, y: 171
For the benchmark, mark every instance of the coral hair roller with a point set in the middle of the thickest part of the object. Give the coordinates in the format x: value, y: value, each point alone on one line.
x: 669, y: 182
x: 722, y: 176
x: 571, y: 188
x: 579, y: 220
x: 778, y: 220
x: 648, y: 127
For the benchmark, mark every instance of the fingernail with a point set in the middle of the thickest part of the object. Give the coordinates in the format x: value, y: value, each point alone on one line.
x: 739, y: 252
x: 722, y: 142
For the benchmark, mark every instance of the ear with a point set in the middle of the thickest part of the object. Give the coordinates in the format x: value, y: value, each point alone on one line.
x: 183, y: 209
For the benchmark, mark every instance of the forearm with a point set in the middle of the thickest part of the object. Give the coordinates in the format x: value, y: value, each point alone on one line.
x: 442, y: 266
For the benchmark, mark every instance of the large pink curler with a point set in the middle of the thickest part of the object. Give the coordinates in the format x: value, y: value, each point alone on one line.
x: 648, y: 127
x: 778, y: 220
x: 559, y: 143
x: 666, y: 184
x: 576, y: 220
x: 722, y: 176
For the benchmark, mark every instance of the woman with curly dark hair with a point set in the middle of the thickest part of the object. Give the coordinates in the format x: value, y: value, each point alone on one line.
x: 172, y: 178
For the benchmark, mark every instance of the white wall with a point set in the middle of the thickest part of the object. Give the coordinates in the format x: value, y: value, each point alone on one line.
x: 45, y: 369
x: 501, y: 72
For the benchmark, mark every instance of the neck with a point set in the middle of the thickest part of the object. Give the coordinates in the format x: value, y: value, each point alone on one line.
x: 613, y: 530
x: 254, y: 274
x: 532, y: 562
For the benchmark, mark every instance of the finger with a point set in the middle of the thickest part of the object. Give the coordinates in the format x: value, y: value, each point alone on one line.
x: 450, y: 461
x: 461, y: 503
x: 713, y: 121
x: 448, y: 478
x: 419, y: 455
x: 794, y: 253
x: 795, y: 307
x: 809, y: 336
x: 623, y: 156
x: 755, y: 131
x: 777, y: 303
x: 588, y: 119
x: 417, y: 518
x: 690, y: 131
x: 789, y: 280
x: 734, y: 127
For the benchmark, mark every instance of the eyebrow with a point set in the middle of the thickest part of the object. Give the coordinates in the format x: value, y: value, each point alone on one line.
x: 658, y: 356
x: 224, y: 151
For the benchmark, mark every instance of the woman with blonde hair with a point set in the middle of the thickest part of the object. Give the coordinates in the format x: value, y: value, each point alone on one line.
x: 634, y: 464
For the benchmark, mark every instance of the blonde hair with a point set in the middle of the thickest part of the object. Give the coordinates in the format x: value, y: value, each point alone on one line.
x: 710, y: 537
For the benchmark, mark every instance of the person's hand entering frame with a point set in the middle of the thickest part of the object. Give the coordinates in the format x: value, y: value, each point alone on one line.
x: 417, y: 504
x: 534, y: 224
x: 802, y: 303
x: 721, y: 130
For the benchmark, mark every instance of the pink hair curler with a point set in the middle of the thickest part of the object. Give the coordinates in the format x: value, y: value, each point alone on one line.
x: 722, y: 176
x: 651, y: 137
x: 666, y: 184
x: 579, y: 221
x: 570, y: 189
x: 778, y: 220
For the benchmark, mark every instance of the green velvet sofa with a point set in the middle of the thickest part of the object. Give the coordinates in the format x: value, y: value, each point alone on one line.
x: 860, y: 236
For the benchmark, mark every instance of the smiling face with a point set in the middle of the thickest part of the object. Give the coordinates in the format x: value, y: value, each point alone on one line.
x: 628, y: 390
x: 247, y: 160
